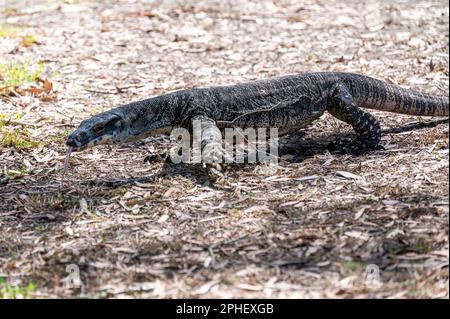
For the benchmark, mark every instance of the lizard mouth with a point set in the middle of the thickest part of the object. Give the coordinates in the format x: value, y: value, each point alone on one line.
x: 98, y: 130
x: 77, y: 144
x: 78, y: 141
x: 76, y: 148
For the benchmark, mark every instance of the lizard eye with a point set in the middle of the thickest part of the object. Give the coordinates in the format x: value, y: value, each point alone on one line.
x: 98, y: 128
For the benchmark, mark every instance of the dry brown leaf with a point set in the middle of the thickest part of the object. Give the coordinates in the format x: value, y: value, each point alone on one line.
x: 34, y: 90
x: 347, y: 175
x: 48, y: 98
x: 47, y: 85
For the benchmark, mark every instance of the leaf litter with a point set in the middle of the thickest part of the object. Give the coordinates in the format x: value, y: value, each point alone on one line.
x: 313, y: 225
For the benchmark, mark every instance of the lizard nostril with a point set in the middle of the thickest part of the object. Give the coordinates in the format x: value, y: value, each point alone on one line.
x: 70, y: 141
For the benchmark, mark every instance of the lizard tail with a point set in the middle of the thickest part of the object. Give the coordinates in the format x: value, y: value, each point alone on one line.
x: 375, y: 94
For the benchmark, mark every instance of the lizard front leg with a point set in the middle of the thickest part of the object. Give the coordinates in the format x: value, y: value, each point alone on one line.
x: 213, y: 154
x: 343, y: 106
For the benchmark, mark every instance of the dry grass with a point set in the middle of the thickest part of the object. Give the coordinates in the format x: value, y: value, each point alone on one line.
x: 301, y: 229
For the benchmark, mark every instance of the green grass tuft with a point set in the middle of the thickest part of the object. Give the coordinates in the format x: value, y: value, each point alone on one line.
x: 423, y: 247
x: 15, y: 173
x: 9, y: 11
x: 15, y: 137
x: 8, y: 30
x: 351, y: 266
x: 28, y: 40
x: 8, y: 291
x: 15, y: 74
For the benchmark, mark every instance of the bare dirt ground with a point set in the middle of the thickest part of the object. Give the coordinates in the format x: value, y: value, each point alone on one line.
x: 306, y: 228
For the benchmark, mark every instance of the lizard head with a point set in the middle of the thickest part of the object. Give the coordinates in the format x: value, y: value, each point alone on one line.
x: 99, y: 129
x: 123, y: 124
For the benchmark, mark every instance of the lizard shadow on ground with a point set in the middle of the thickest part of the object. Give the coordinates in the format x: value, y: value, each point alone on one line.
x: 304, y: 148
x: 64, y: 197
x: 295, y: 144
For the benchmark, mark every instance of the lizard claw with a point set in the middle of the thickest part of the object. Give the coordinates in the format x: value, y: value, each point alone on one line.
x: 215, y: 172
x: 214, y: 157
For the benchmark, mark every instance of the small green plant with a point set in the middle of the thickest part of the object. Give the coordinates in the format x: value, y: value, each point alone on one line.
x: 3, y: 117
x: 16, y: 138
x: 61, y: 135
x: 422, y: 247
x: 310, y: 57
x: 9, y: 11
x: 351, y: 266
x: 250, y: 197
x: 28, y: 40
x: 9, y: 291
x: 12, y: 31
x: 8, y: 30
x: 19, y: 172
x: 15, y: 74
x: 64, y: 201
x: 120, y: 191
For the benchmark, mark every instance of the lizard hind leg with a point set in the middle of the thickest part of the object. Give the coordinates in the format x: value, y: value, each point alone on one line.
x: 343, y: 106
